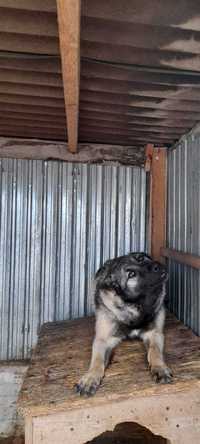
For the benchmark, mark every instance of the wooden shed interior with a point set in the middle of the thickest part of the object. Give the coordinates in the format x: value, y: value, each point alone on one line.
x: 111, y: 83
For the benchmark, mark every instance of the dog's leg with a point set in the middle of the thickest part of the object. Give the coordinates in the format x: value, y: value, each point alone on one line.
x: 154, y: 342
x: 103, y: 344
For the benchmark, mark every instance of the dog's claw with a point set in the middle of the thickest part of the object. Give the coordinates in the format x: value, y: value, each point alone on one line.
x: 88, y: 385
x: 162, y: 375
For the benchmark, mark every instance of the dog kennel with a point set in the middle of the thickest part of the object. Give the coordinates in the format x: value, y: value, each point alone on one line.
x: 99, y: 156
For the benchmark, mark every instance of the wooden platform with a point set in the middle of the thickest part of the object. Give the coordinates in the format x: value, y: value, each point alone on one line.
x: 54, y: 413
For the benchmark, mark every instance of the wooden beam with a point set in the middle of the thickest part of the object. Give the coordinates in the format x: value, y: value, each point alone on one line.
x: 191, y: 260
x: 69, y: 12
x: 148, y: 154
x: 88, y: 152
x: 158, y: 191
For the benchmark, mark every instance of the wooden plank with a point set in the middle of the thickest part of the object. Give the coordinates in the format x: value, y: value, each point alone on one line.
x: 148, y: 155
x: 140, y: 89
x: 30, y: 5
x: 34, y: 131
x: 28, y: 23
x: 19, y: 122
x: 157, y: 222
x: 34, y: 135
x: 139, y: 120
x: 139, y: 111
x: 182, y: 258
x: 31, y: 90
x: 138, y: 101
x: 186, y: 16
x: 69, y: 12
x: 32, y: 44
x: 33, y: 101
x: 87, y: 153
x: 36, y: 109
x: 93, y: 69
x: 29, y: 430
x: 174, y: 416
x: 145, y: 36
x: 152, y: 138
x: 117, y: 53
x: 26, y: 63
x: 49, y: 384
x: 32, y: 78
x: 132, y: 133
x: 12, y: 116
x: 129, y: 126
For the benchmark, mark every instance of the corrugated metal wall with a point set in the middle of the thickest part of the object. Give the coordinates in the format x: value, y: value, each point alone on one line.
x: 58, y: 223
x: 184, y: 228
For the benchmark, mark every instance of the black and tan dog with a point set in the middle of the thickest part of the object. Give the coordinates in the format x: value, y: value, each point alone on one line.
x: 129, y: 297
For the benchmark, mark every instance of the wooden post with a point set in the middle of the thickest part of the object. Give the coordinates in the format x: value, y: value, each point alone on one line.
x: 157, y: 213
x: 69, y: 36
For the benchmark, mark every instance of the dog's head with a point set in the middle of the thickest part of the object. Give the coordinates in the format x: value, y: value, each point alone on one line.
x: 137, y: 279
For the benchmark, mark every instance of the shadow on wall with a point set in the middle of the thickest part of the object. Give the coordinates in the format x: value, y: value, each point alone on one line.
x: 129, y: 433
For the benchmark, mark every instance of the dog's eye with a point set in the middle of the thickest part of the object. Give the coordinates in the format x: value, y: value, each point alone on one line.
x: 156, y: 268
x: 131, y: 274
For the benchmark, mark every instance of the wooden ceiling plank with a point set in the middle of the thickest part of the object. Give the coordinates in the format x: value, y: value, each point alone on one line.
x: 20, y: 21
x: 94, y: 69
x: 127, y: 126
x: 139, y: 36
x: 32, y: 78
x: 30, y: 5
x: 17, y: 115
x: 69, y: 12
x: 26, y: 123
x: 32, y: 100
x: 21, y: 62
x: 33, y: 44
x: 31, y: 90
x: 139, y: 111
x: 185, y: 15
x: 28, y: 108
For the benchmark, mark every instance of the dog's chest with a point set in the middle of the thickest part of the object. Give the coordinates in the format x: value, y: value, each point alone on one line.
x: 123, y: 312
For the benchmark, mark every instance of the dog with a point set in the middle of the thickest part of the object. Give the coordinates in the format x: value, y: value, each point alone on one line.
x: 129, y: 303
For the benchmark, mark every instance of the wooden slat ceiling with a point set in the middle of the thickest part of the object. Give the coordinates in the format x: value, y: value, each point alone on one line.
x: 140, y: 71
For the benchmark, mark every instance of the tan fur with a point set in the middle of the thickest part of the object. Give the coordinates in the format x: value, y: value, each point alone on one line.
x: 122, y: 311
x: 154, y: 341
x: 103, y: 344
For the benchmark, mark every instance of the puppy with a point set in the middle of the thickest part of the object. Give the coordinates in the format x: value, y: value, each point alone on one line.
x: 129, y: 297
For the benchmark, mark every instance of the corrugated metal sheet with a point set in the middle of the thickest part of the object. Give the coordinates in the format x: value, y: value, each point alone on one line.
x: 59, y: 222
x: 184, y: 228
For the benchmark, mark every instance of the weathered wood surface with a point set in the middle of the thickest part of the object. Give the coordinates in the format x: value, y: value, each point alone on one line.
x: 158, y: 198
x: 181, y: 257
x: 87, y: 153
x: 62, y: 356
x: 69, y: 15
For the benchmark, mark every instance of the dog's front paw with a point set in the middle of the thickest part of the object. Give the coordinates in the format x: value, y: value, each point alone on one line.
x: 88, y: 384
x: 162, y: 375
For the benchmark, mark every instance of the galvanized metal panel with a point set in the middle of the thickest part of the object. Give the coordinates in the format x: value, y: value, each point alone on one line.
x: 58, y: 223
x: 184, y: 227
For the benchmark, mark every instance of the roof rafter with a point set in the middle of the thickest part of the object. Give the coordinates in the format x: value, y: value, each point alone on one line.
x: 69, y: 12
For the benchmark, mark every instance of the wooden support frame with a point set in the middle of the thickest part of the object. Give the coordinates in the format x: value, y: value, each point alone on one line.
x: 157, y: 164
x: 69, y: 13
x: 191, y: 260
